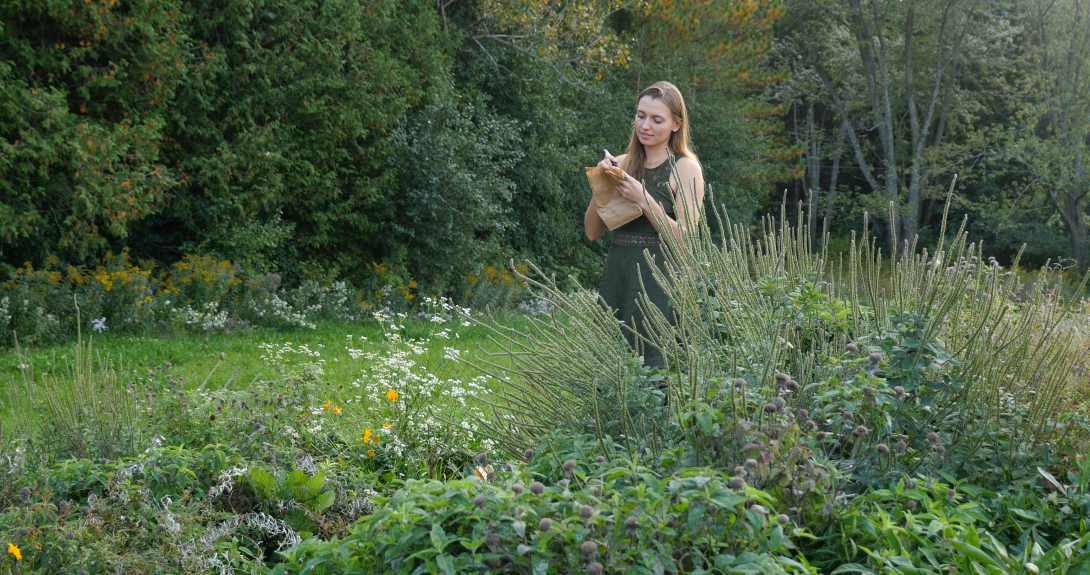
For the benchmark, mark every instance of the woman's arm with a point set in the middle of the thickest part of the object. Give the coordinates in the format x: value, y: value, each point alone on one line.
x: 689, y: 210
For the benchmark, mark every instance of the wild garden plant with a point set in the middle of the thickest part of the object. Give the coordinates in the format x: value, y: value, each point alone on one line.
x: 934, y: 359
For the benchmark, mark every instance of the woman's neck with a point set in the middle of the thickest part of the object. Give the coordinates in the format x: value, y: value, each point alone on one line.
x: 654, y: 157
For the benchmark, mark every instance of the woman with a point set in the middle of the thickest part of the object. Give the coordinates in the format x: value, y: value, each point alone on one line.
x: 661, y: 129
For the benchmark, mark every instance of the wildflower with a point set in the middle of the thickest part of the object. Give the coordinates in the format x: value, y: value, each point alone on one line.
x: 371, y: 453
x: 392, y: 395
x: 326, y: 405
x: 13, y: 550
x: 367, y: 435
x: 1033, y: 568
x: 589, y: 549
x: 336, y: 409
x: 386, y: 425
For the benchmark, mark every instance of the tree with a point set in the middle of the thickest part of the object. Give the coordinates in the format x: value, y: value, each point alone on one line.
x: 904, y: 78
x: 1053, y: 131
x: 84, y: 94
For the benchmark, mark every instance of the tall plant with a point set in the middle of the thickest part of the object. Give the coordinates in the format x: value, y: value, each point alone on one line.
x: 937, y: 352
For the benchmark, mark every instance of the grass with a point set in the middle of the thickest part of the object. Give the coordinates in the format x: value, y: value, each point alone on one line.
x: 197, y: 356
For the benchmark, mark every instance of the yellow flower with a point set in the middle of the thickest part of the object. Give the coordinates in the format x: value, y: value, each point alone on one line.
x: 367, y: 435
x: 391, y: 395
x: 371, y: 453
x: 336, y: 409
x: 386, y: 425
x: 15, y: 551
x: 412, y: 284
x: 325, y: 405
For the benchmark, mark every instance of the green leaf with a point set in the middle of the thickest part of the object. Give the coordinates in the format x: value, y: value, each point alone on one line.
x: 325, y: 501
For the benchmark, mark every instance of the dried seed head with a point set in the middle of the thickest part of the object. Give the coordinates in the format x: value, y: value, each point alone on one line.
x: 589, y: 550
x: 860, y: 431
x: 882, y: 448
x: 751, y: 463
x: 24, y: 532
x: 868, y: 391
x: 586, y: 512
x: 24, y: 494
x: 737, y: 483
x: 85, y: 511
x: 600, y: 459
x: 492, y: 540
x: 769, y: 408
x: 901, y: 446
x: 569, y: 465
x: 739, y: 383
x: 479, y: 501
x: 537, y: 488
x: 852, y: 347
x: 528, y: 454
x: 899, y: 391
x: 544, y: 525
x: 781, y: 378
x: 792, y: 385
x: 848, y: 416
x: 939, y: 449
x: 804, y: 413
x: 495, y: 562
x: 782, y: 519
x: 811, y: 423
x: 911, y: 505
x: 821, y: 435
x: 798, y: 327
x: 595, y: 568
x: 951, y: 495
x: 69, y: 536
x: 779, y: 402
x: 517, y: 489
x: 482, y: 458
x: 932, y: 438
x: 631, y: 523
x: 740, y: 471
x: 874, y: 358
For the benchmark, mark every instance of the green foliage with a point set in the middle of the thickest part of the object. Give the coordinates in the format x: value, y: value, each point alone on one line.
x: 87, y: 90
x: 632, y: 519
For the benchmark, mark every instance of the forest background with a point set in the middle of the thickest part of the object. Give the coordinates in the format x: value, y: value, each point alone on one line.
x: 438, y: 137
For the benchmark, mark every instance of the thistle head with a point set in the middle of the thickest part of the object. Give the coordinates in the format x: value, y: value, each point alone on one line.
x: 882, y: 448
x: 901, y: 446
x: 545, y: 525
x: 586, y: 512
x: 781, y: 378
x: 569, y: 465
x: 932, y: 438
x: 737, y: 483
x: 589, y: 550
x: 874, y: 358
x: 537, y: 488
x: 852, y: 347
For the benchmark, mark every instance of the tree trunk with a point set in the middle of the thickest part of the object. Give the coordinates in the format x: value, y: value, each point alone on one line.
x: 832, y: 179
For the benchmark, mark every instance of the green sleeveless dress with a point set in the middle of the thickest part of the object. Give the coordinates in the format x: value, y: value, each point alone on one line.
x: 620, y: 288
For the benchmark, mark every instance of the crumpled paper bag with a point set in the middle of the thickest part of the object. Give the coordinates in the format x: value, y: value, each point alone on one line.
x: 611, y: 206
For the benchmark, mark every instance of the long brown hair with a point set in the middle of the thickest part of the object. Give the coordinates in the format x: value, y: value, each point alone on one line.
x: 679, y: 140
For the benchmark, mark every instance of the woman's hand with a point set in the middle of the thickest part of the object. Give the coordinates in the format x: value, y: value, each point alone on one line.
x: 608, y: 161
x: 632, y: 191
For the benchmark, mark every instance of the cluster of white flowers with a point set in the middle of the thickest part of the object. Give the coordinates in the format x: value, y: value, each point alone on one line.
x: 273, y: 310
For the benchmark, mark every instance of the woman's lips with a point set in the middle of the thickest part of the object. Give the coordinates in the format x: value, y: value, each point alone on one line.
x: 645, y: 136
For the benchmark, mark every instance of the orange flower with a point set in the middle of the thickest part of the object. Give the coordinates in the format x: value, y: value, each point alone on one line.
x: 367, y: 435
x: 386, y: 425
x: 15, y: 550
x: 336, y: 409
x: 392, y: 395
x: 371, y: 453
x: 326, y: 405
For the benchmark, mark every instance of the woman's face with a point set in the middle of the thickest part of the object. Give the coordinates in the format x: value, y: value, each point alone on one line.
x: 654, y: 122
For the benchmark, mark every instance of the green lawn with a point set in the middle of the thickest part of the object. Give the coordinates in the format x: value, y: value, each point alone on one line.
x: 196, y: 356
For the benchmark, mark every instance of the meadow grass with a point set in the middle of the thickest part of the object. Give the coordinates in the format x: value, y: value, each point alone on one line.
x: 196, y: 357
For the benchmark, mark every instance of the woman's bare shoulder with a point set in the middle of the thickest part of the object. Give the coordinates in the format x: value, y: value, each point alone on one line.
x: 689, y: 165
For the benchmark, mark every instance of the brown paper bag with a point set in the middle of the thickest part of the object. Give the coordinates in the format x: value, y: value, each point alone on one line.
x: 611, y: 206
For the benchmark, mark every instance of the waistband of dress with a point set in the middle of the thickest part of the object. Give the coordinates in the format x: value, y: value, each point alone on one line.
x: 635, y: 239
